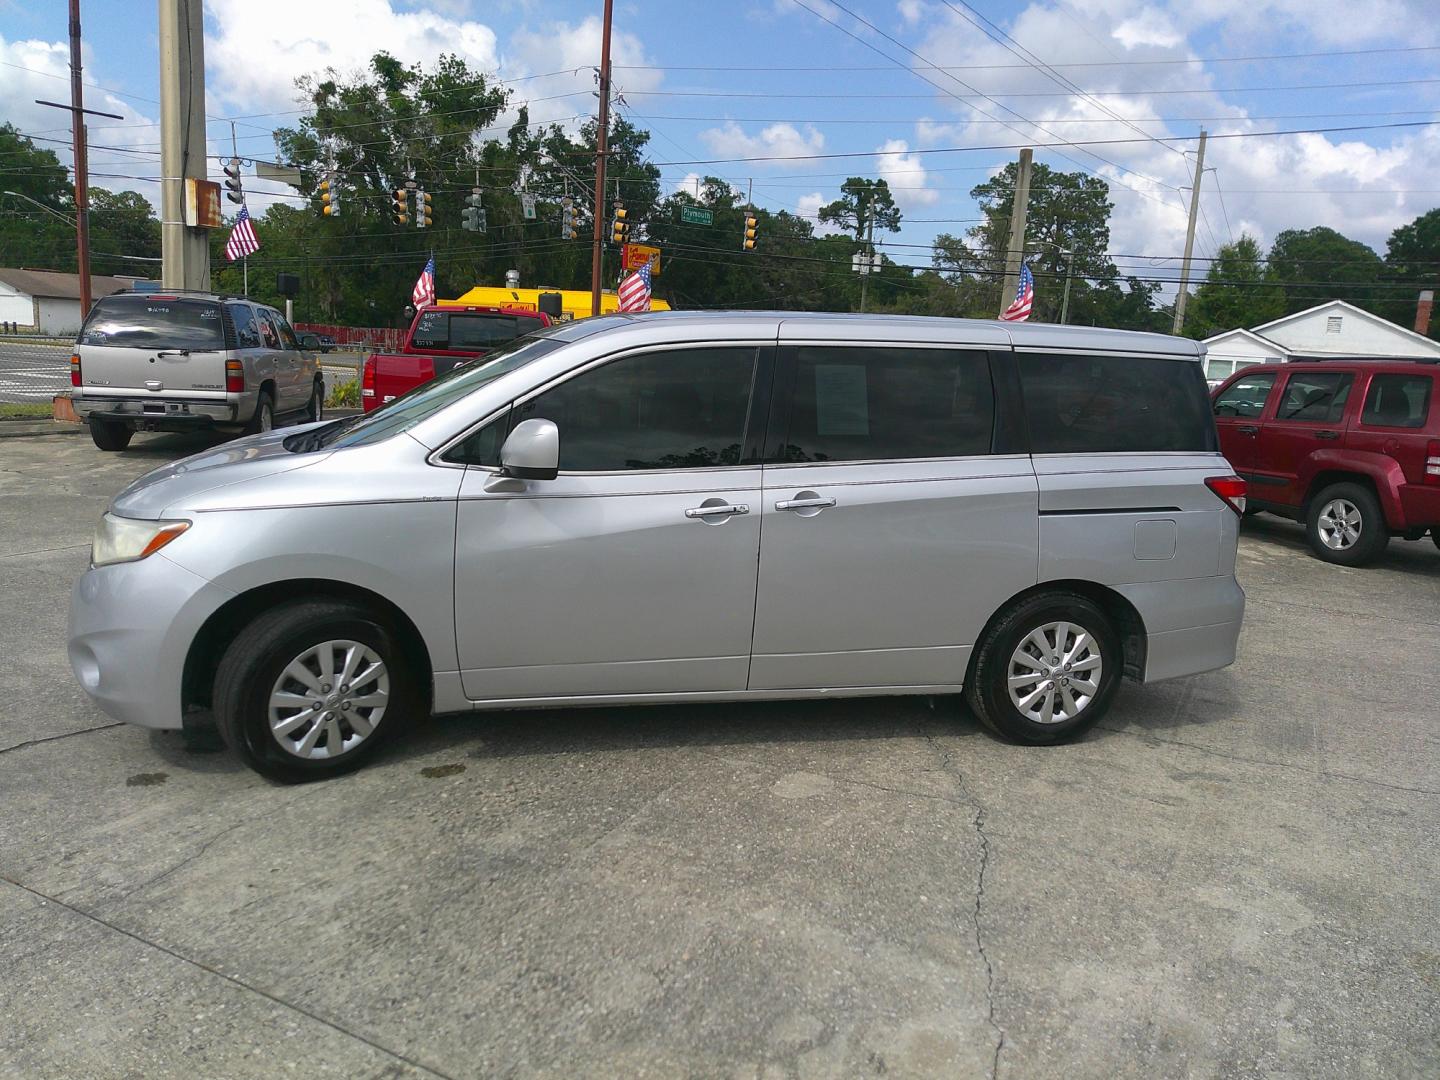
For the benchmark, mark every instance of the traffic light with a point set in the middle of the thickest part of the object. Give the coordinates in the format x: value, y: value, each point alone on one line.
x: 472, y: 218
x: 424, y: 210
x: 751, y: 230
x: 329, y: 196
x: 619, y: 228
x: 567, y: 218
x: 235, y: 191
x: 400, y: 206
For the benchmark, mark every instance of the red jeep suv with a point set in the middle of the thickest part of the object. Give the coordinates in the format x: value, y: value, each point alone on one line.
x: 1349, y: 447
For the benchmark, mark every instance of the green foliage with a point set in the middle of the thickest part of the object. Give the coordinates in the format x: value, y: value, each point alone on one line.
x: 1236, y: 292
x: 1412, y: 257
x: 1314, y: 265
x: 345, y: 395
x: 862, y: 202
x: 28, y: 235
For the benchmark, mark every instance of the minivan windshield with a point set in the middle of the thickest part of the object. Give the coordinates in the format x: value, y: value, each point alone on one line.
x: 154, y: 322
x: 429, y: 398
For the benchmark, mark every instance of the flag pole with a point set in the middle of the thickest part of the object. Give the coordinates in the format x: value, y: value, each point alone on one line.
x: 245, y: 269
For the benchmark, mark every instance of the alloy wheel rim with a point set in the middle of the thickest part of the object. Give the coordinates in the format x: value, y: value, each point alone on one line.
x: 1340, y: 524
x: 1054, y: 673
x: 328, y: 700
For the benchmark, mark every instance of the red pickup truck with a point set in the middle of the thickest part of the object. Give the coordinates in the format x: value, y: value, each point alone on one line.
x: 440, y: 338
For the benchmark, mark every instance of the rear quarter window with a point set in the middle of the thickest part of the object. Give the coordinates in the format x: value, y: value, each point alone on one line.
x: 1115, y: 404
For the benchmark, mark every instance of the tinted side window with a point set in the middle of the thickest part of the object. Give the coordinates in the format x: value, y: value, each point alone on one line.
x: 1115, y: 404
x: 481, y: 331
x: 683, y: 408
x: 1246, y: 396
x: 1317, y: 397
x: 247, y: 330
x: 282, y: 330
x: 1397, y: 401
x: 482, y: 447
x: 869, y: 404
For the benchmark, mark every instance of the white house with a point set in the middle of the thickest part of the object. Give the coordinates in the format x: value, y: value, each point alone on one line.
x: 1333, y: 329
x: 48, y: 302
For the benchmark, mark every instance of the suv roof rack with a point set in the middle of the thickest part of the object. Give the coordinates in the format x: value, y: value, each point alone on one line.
x: 1367, y: 360
x: 160, y: 290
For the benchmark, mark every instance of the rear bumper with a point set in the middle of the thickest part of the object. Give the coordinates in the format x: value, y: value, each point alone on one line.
x: 163, y: 412
x: 1191, y: 625
x: 1421, y: 505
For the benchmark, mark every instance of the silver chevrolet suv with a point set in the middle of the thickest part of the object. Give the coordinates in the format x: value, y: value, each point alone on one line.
x: 180, y: 360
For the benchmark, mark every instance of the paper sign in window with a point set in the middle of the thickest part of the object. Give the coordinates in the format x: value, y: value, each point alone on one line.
x: 841, y: 405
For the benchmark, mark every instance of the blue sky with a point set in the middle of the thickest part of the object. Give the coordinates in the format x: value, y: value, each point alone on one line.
x: 797, y: 77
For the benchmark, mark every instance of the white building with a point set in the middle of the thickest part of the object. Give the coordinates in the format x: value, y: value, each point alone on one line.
x: 48, y: 302
x: 1333, y: 330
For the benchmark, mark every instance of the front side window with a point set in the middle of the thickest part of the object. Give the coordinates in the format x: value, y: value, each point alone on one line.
x: 155, y: 322
x: 1245, y: 397
x: 1115, y: 404
x: 1316, y: 397
x: 875, y: 404
x: 675, y: 409
x: 247, y: 330
x: 1397, y: 401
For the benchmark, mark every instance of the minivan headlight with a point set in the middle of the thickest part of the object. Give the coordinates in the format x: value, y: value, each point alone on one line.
x: 119, y: 539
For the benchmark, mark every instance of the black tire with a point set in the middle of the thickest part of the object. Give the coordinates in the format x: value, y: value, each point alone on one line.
x: 254, y: 663
x: 264, y: 418
x: 1373, y: 533
x: 109, y: 435
x: 315, y: 407
x: 987, y: 690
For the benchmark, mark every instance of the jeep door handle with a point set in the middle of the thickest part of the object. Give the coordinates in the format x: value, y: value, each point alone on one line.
x: 722, y: 510
x: 1247, y: 429
x: 1327, y: 434
x: 819, y: 502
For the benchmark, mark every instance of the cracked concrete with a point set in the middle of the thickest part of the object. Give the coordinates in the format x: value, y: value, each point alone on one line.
x: 1233, y: 876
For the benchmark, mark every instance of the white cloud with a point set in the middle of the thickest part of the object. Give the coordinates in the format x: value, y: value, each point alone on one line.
x: 910, y: 11
x: 808, y: 206
x: 777, y: 140
x: 574, y: 50
x: 1149, y: 27
x: 905, y: 175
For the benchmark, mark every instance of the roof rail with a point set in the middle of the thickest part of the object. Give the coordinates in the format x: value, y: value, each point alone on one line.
x: 162, y: 291
x: 1366, y: 360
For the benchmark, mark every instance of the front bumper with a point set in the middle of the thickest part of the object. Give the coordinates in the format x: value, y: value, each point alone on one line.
x: 162, y: 413
x: 131, y: 626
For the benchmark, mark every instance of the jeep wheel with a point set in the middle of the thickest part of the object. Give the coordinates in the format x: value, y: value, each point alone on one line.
x: 1345, y: 525
x: 109, y: 435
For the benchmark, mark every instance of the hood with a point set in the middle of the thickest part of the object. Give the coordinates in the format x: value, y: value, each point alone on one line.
x: 173, y: 485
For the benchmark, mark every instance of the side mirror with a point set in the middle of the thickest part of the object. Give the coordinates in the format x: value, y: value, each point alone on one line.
x: 532, y: 451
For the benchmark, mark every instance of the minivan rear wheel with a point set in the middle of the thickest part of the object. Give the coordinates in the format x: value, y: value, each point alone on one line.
x: 1047, y: 670
x: 311, y: 689
x: 1345, y: 525
x: 110, y: 435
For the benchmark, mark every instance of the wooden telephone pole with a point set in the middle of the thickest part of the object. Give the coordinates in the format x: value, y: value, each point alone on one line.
x: 597, y: 256
x: 1015, y: 253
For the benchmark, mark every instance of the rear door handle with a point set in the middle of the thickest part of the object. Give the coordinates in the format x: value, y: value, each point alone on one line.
x: 1247, y: 429
x: 1327, y: 434
x: 818, y: 502
x: 722, y: 510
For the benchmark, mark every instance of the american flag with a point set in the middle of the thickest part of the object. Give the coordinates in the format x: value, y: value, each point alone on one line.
x: 243, y: 240
x: 635, y: 291
x: 1019, y: 311
x: 424, y: 292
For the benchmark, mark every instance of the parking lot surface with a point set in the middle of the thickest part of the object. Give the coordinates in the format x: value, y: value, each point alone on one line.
x: 1237, y: 875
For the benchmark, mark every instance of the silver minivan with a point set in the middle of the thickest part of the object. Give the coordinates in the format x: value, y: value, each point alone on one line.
x: 685, y: 507
x: 178, y: 361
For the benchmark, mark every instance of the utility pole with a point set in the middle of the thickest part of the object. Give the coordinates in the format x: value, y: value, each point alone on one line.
x: 1069, y: 268
x: 602, y: 133
x: 185, y: 250
x: 869, y: 252
x: 1015, y: 253
x: 1184, y: 294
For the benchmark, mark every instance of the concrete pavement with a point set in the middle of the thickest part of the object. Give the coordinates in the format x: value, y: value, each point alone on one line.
x: 1235, y: 876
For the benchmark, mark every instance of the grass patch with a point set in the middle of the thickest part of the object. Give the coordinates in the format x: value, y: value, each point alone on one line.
x: 344, y: 395
x: 26, y: 411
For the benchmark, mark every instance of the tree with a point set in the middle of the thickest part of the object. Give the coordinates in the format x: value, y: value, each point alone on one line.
x: 1066, y: 212
x: 124, y: 234
x: 1412, y: 257
x: 1319, y: 264
x: 861, y: 201
x: 1236, y: 292
x: 28, y: 235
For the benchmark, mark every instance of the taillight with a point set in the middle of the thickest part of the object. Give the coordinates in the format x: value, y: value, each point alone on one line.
x: 234, y: 377
x: 367, y: 378
x: 1432, y: 461
x: 75, y: 370
x: 1231, y: 490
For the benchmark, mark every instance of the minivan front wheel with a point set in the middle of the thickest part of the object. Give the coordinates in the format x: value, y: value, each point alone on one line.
x: 1345, y: 525
x: 109, y: 435
x: 311, y: 689
x: 1047, y: 670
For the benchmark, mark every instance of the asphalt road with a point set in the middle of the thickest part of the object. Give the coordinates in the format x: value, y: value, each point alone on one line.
x: 36, y: 373
x: 1236, y: 876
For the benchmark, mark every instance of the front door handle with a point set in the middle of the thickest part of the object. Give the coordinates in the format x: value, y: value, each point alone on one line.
x: 719, y: 510
x: 814, y: 502
x: 1327, y: 434
x: 1247, y: 429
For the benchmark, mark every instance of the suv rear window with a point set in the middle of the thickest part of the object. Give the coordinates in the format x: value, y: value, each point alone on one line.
x: 148, y: 322
x: 1115, y: 404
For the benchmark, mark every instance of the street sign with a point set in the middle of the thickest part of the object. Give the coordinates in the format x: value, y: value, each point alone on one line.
x: 634, y: 256
x: 527, y: 203
x: 697, y: 215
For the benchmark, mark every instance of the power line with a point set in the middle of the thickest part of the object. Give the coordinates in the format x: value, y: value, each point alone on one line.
x: 709, y: 92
